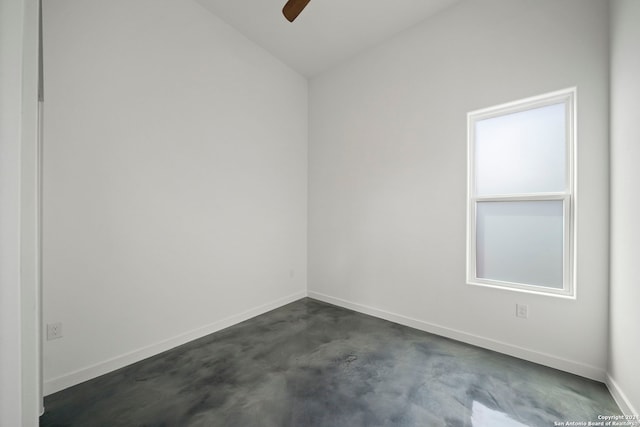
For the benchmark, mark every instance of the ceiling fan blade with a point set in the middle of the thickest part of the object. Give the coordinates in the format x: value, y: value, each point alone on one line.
x: 292, y: 9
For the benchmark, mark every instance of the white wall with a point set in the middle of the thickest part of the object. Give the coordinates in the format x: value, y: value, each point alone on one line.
x: 387, y: 174
x: 624, y: 369
x: 174, y: 181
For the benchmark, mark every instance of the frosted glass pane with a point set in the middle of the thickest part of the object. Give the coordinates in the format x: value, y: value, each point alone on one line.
x: 520, y: 242
x: 521, y: 152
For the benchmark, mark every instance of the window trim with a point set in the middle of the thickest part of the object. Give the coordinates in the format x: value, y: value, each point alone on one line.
x: 568, y: 196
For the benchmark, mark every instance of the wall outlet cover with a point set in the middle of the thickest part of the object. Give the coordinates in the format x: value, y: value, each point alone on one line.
x: 54, y: 331
x: 522, y: 311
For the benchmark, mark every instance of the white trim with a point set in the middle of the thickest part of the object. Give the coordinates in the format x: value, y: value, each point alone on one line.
x: 569, y: 98
x: 522, y: 197
x: 620, y: 397
x: 525, y: 104
x: 60, y: 383
x: 545, y: 359
x: 19, y: 323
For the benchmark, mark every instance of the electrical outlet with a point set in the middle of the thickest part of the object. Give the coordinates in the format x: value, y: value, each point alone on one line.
x: 522, y: 311
x: 54, y: 331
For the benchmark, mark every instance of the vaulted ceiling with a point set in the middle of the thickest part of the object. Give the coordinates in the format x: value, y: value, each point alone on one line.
x: 327, y: 31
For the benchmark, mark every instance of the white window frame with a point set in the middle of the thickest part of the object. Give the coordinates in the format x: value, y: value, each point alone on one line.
x: 568, y: 97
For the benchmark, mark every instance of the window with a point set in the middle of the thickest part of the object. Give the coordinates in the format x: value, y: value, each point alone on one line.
x: 521, y: 200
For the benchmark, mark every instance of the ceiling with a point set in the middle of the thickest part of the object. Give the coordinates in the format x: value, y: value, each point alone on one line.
x: 327, y: 31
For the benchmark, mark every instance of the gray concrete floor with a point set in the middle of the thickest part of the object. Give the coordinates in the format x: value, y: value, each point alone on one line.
x: 313, y: 364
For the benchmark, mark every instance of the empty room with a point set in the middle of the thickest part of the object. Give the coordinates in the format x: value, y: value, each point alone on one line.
x: 320, y: 213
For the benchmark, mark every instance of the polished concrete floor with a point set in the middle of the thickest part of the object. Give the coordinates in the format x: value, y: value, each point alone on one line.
x: 314, y: 364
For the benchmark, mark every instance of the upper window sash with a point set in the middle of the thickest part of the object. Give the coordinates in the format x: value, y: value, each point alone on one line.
x: 566, y: 97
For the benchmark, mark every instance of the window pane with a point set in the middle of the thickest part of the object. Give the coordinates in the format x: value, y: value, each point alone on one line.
x: 521, y: 152
x: 520, y: 242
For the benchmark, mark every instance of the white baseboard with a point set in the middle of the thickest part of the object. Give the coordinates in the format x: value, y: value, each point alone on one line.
x: 620, y: 397
x: 549, y: 360
x: 60, y: 383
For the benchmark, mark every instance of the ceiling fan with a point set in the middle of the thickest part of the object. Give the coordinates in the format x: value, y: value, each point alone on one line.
x: 292, y: 9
